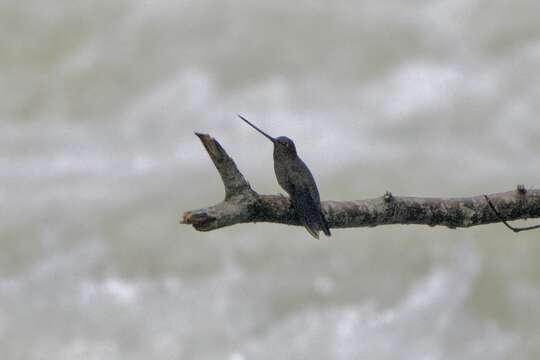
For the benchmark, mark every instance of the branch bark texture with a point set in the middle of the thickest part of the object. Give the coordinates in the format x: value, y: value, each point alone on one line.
x: 242, y: 205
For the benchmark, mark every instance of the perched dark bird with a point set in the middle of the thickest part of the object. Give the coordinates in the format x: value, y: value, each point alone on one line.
x: 295, y: 178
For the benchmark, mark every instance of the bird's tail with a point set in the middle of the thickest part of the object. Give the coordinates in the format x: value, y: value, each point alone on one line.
x: 310, y: 214
x: 324, y: 225
x: 313, y: 230
x: 314, y: 227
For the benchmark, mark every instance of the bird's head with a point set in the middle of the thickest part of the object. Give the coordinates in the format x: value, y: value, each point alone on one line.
x: 284, y: 145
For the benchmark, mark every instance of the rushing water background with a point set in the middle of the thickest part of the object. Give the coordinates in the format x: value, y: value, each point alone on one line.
x: 98, y: 161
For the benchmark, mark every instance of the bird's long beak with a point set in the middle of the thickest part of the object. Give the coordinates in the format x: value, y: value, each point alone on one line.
x: 256, y: 128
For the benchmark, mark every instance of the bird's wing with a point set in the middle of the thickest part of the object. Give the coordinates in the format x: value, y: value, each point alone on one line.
x: 310, y: 183
x: 308, y: 201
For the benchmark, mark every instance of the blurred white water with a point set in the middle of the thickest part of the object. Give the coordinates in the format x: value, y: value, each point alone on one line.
x: 98, y: 104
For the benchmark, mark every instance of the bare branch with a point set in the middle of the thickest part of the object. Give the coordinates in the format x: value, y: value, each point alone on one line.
x: 242, y: 204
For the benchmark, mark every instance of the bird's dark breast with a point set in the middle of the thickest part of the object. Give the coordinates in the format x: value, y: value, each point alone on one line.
x: 283, y: 171
x: 294, y: 176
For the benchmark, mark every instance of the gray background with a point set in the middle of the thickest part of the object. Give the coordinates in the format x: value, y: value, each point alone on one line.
x: 98, y: 104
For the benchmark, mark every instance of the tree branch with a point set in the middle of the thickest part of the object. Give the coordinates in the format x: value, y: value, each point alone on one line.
x: 242, y: 205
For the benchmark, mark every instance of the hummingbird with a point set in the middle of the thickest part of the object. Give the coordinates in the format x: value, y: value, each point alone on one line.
x: 295, y: 178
